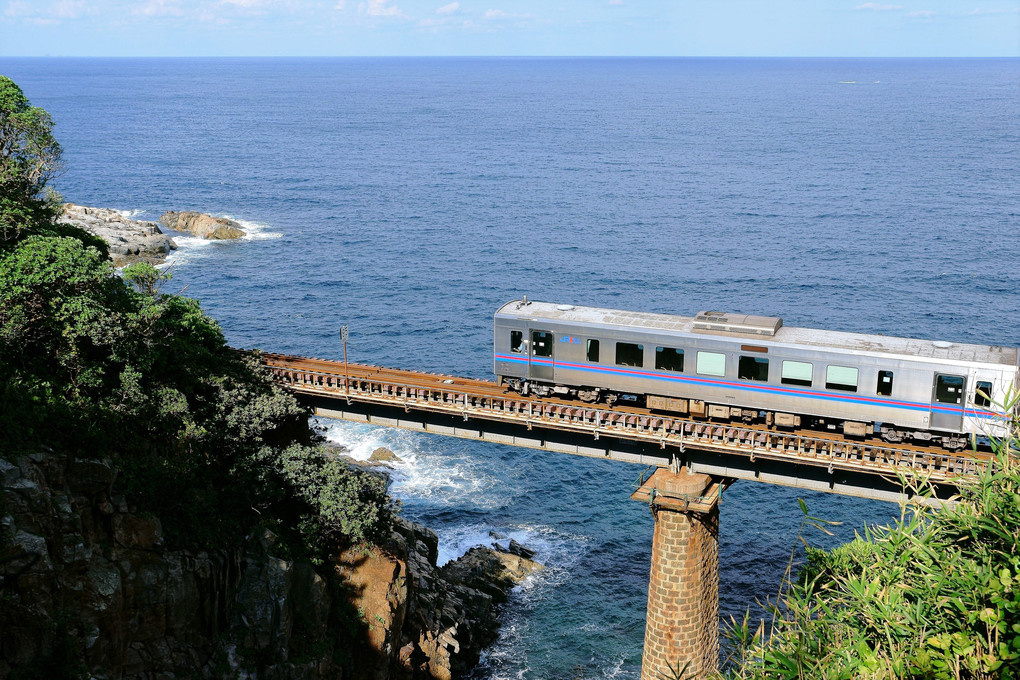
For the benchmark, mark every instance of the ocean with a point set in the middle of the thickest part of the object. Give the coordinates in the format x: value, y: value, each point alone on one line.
x: 409, y: 198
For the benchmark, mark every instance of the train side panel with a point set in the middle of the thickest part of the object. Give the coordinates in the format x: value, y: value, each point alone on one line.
x: 756, y: 374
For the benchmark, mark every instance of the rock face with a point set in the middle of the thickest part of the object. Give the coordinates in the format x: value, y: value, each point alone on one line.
x: 87, y: 584
x: 425, y: 621
x: 202, y: 225
x: 384, y: 455
x: 129, y: 240
x: 491, y: 571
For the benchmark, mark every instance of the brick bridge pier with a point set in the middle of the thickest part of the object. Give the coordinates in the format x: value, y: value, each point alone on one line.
x: 682, y: 624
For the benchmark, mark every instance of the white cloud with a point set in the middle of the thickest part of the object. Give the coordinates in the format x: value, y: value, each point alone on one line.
x: 17, y: 8
x: 500, y: 14
x: 379, y: 8
x: 616, y: 3
x: 160, y: 8
x: 922, y: 13
x: 69, y: 9
x: 447, y: 17
x: 250, y: 8
x: 46, y: 16
x: 286, y: 5
x: 876, y: 7
x: 341, y: 5
x: 977, y: 11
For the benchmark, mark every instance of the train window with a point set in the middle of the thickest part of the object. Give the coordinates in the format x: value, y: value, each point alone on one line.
x: 983, y: 396
x: 753, y: 368
x: 593, y: 350
x: 884, y: 383
x: 669, y: 359
x: 516, y: 341
x: 711, y: 363
x: 629, y: 354
x: 796, y: 373
x: 841, y: 378
x: 949, y: 389
x: 541, y: 343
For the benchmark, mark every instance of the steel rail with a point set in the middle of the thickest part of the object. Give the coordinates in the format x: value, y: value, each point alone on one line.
x: 472, y: 398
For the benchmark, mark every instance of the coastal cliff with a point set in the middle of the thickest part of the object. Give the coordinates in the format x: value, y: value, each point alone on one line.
x: 90, y: 586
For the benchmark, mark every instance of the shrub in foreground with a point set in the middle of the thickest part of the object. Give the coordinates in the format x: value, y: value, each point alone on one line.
x: 934, y: 595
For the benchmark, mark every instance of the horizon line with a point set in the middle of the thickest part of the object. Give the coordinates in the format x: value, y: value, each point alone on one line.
x: 484, y: 56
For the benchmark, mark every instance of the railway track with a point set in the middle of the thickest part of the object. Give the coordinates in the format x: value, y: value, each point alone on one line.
x: 482, y: 399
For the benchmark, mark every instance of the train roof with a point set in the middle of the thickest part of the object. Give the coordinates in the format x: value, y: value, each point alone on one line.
x: 762, y: 328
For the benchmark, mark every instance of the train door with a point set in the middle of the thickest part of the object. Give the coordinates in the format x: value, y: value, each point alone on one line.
x: 948, y: 399
x: 540, y: 358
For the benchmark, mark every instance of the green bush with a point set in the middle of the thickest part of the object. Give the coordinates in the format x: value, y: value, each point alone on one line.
x: 934, y: 595
x: 347, y: 501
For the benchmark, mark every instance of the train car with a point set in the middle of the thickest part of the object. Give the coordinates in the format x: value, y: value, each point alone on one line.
x: 753, y: 368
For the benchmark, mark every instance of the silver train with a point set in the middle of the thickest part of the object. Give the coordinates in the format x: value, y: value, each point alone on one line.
x: 753, y: 369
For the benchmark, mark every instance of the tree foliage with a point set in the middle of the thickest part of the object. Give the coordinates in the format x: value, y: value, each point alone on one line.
x: 934, y: 595
x: 92, y: 364
x: 347, y: 502
x: 29, y: 158
x: 145, y: 277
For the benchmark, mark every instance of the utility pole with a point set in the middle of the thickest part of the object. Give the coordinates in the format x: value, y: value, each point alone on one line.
x: 347, y: 379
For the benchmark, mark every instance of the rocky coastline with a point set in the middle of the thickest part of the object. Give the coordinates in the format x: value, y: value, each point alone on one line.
x: 131, y: 241
x: 89, y: 577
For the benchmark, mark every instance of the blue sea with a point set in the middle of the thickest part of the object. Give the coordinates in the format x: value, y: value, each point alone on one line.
x: 409, y: 198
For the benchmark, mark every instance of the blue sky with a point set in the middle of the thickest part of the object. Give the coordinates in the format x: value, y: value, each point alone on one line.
x: 856, y: 28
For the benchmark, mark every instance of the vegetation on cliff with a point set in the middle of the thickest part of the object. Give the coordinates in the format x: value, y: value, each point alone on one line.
x: 934, y: 595
x: 29, y: 159
x: 96, y: 365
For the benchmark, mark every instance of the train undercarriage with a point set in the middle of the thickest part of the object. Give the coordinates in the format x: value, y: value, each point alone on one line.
x: 701, y: 410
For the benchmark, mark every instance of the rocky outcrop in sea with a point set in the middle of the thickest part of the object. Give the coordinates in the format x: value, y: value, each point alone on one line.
x: 202, y: 225
x: 133, y: 241
x: 88, y: 584
x: 129, y: 240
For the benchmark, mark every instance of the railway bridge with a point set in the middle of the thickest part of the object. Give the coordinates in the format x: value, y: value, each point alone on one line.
x: 694, y: 460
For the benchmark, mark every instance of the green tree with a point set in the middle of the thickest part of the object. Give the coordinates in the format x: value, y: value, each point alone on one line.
x: 347, y: 503
x: 29, y: 159
x: 145, y: 277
